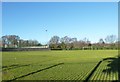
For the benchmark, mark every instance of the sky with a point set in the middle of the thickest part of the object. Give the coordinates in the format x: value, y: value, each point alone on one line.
x: 30, y: 20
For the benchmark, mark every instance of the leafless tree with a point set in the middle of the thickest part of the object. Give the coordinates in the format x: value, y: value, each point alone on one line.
x: 54, y: 42
x: 110, y: 38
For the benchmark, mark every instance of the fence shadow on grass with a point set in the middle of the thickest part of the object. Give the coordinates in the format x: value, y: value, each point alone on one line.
x: 4, y: 68
x: 113, y: 66
x: 35, y: 72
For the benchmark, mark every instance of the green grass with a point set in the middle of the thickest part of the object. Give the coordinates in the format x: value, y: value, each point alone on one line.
x: 77, y: 65
x: 0, y: 66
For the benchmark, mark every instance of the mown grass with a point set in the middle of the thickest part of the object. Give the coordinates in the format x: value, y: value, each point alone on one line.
x: 77, y: 64
x: 0, y: 66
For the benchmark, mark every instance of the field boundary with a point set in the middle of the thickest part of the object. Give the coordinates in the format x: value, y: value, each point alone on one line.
x: 35, y: 72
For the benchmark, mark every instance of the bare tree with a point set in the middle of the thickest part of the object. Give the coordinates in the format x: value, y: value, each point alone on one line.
x: 54, y: 42
x: 110, y: 38
x: 65, y: 39
x: 68, y: 41
x: 101, y: 41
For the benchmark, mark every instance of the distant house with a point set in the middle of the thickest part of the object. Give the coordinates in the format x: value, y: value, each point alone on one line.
x: 36, y: 47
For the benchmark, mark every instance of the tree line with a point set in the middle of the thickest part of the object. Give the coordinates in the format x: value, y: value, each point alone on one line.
x: 68, y: 43
x: 14, y: 41
x: 63, y: 43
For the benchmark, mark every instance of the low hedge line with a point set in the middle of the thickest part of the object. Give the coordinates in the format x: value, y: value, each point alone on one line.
x: 23, y: 49
x: 86, y: 49
x: 40, y: 49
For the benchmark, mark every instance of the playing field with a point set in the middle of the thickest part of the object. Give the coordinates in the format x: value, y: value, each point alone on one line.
x: 60, y: 65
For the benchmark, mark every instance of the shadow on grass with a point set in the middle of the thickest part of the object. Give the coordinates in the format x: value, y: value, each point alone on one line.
x: 35, y: 72
x: 4, y: 68
x: 113, y: 66
x: 92, y: 72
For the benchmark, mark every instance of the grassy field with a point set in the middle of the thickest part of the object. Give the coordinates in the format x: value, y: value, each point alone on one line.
x: 60, y: 65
